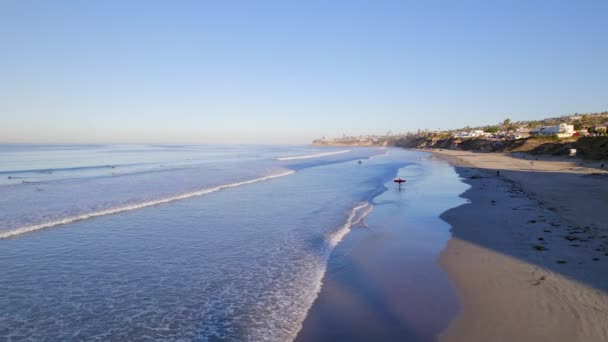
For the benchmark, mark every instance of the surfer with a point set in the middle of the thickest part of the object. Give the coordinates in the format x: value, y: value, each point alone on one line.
x: 399, y: 181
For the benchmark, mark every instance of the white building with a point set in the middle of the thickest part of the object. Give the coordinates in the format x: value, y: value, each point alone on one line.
x: 562, y: 130
x: 472, y: 134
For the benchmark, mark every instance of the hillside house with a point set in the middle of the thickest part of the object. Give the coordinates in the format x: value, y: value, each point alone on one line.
x: 562, y: 130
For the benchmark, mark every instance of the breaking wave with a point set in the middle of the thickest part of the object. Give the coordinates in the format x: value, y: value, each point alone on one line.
x: 315, y: 155
x: 380, y: 155
x: 355, y: 217
x: 27, y: 229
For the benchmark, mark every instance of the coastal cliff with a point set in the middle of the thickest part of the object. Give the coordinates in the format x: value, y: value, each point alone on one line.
x: 594, y: 148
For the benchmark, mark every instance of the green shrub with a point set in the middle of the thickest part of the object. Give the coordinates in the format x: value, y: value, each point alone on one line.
x: 551, y: 137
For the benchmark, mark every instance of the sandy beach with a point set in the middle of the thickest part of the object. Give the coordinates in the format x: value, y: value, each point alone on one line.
x: 526, y: 260
x: 529, y: 253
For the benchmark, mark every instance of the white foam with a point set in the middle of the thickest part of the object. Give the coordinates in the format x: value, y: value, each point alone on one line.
x: 316, y: 155
x: 27, y: 229
x: 380, y: 155
x: 356, y: 215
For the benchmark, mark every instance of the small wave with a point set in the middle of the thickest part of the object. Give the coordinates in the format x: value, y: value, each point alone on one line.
x: 316, y: 155
x: 68, y: 169
x: 27, y: 229
x: 380, y: 155
x: 356, y: 215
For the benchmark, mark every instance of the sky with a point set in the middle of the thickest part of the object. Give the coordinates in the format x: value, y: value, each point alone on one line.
x: 287, y: 72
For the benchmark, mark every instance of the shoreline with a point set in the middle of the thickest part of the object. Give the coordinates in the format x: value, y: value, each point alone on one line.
x: 526, y: 260
x: 529, y: 253
x: 383, y: 282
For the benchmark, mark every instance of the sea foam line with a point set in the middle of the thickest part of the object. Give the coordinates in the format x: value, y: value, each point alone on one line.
x: 356, y: 216
x: 316, y: 155
x: 27, y: 229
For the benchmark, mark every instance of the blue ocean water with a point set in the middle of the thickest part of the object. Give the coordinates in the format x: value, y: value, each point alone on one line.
x: 175, y: 242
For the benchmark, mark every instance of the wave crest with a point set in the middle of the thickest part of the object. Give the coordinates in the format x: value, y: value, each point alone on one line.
x: 27, y: 229
x: 315, y: 155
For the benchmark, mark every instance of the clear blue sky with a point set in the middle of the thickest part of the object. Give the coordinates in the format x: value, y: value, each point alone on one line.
x: 291, y: 71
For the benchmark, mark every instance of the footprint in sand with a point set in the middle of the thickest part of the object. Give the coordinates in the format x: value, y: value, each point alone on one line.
x: 539, y: 281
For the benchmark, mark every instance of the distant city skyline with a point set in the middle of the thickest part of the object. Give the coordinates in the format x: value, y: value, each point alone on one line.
x: 265, y: 72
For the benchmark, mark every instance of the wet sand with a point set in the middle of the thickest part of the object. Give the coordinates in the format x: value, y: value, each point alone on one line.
x: 529, y: 254
x: 383, y: 282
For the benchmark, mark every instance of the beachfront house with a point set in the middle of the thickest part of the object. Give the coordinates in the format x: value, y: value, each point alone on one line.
x: 479, y: 133
x: 521, y: 133
x: 461, y: 135
x: 562, y: 130
x: 600, y: 129
x: 472, y: 134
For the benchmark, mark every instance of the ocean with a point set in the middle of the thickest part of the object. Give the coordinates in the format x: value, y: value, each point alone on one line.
x: 179, y: 243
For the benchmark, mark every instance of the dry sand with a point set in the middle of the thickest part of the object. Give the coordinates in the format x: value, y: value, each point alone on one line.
x: 529, y: 254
